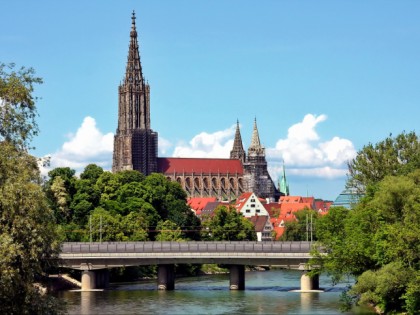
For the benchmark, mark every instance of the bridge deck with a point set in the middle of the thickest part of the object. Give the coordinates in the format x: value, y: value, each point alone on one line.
x: 116, y: 254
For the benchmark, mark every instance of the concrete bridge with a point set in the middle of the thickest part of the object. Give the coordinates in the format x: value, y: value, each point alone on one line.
x: 94, y: 259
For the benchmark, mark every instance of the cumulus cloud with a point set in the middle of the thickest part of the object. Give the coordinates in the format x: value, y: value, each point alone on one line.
x: 209, y: 145
x: 164, y: 146
x: 87, y: 145
x: 305, y: 154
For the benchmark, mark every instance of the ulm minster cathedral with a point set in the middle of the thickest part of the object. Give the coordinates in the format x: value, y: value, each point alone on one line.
x: 136, y: 147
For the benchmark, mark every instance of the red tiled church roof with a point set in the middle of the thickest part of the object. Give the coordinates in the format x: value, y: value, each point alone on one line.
x: 200, y: 165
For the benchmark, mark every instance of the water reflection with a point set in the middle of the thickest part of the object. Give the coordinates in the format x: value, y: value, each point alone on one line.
x: 266, y: 293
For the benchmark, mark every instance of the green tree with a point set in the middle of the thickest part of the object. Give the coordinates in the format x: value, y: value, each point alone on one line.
x: 228, y: 225
x: 303, y: 229
x: 65, y: 186
x: 134, y: 227
x: 129, y: 176
x: 27, y: 233
x: 17, y: 105
x: 330, y: 231
x: 61, y: 199
x: 384, y: 287
x: 383, y: 229
x: 168, y: 231
x: 28, y: 243
x: 92, y: 172
x: 393, y: 156
x: 103, y: 226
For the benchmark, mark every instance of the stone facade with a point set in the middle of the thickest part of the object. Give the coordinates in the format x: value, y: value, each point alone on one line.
x: 136, y: 147
x: 135, y: 143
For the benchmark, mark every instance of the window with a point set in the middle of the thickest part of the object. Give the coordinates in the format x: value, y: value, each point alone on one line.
x: 252, y: 206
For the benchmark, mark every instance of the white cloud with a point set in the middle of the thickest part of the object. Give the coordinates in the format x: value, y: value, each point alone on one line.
x: 163, y: 146
x: 87, y: 145
x: 305, y: 154
x: 210, y: 145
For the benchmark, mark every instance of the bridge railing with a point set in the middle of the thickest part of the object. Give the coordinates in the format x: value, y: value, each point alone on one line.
x: 187, y: 247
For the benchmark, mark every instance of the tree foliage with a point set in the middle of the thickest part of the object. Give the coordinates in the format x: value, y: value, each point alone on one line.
x: 379, y: 240
x: 17, y: 105
x: 129, y: 204
x: 303, y: 228
x: 28, y: 242
x: 384, y: 287
x: 393, y: 156
x: 228, y: 225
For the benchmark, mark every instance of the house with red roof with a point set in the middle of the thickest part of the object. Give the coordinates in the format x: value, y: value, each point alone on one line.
x: 250, y: 205
x: 263, y: 227
x: 197, y: 204
x: 279, y: 224
x: 322, y: 206
x: 287, y: 207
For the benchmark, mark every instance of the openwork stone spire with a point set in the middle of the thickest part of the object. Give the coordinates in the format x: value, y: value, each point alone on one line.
x: 238, y: 151
x: 256, y: 148
x: 134, y: 93
x: 133, y: 73
x: 135, y: 143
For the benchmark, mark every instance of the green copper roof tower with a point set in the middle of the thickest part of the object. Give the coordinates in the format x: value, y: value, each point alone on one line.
x: 283, y: 185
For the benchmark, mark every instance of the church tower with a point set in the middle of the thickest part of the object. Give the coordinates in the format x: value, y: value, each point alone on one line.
x: 135, y: 143
x: 283, y: 185
x: 238, y: 151
x: 256, y: 176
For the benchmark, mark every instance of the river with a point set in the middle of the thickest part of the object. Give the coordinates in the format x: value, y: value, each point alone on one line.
x: 267, y: 292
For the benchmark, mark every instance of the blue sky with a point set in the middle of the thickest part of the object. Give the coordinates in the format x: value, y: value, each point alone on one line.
x: 322, y: 78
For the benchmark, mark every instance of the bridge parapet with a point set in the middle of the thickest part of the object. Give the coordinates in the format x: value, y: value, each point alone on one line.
x: 92, y: 257
x: 189, y: 247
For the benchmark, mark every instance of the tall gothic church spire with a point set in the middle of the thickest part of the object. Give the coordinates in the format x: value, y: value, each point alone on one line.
x: 133, y: 72
x: 256, y: 148
x: 135, y: 143
x: 134, y: 93
x: 238, y: 151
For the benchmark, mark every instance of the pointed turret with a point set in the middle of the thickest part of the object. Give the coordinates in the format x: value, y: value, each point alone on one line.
x: 256, y: 148
x: 256, y: 176
x: 133, y: 72
x: 238, y: 151
x: 283, y: 185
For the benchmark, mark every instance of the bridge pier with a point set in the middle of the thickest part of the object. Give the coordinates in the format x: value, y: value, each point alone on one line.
x: 88, y: 280
x: 95, y: 279
x: 166, y: 277
x: 237, y: 277
x: 309, y: 283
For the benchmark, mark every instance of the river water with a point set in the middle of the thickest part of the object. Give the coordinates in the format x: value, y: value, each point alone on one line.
x: 266, y: 292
